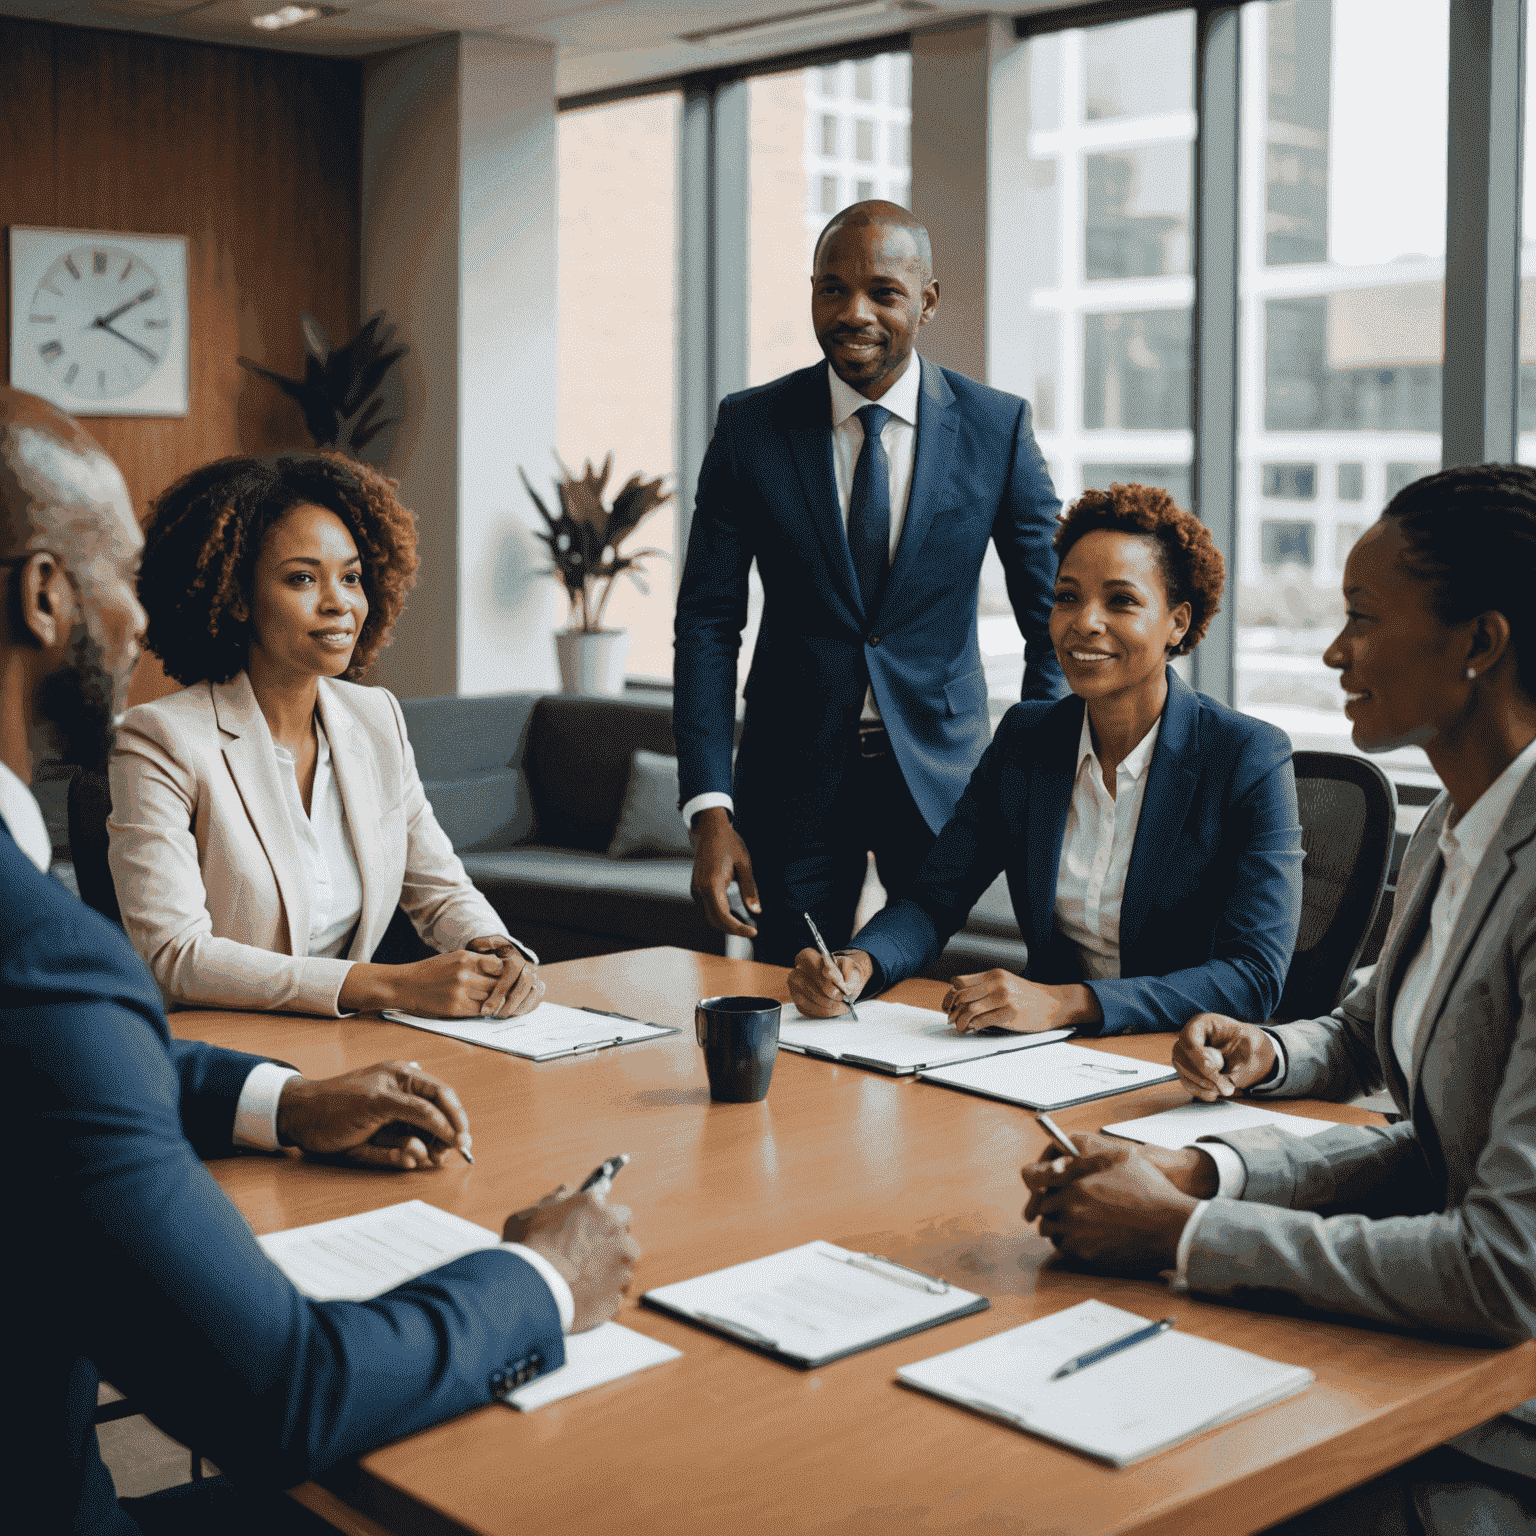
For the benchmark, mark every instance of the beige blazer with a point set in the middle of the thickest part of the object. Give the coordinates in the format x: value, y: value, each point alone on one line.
x: 207, y: 868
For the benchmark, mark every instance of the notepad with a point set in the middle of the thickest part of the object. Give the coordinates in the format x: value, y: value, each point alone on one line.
x: 896, y: 1038
x: 1126, y: 1407
x: 1184, y: 1126
x: 552, y: 1030
x: 816, y: 1303
x: 355, y: 1258
x: 1052, y: 1077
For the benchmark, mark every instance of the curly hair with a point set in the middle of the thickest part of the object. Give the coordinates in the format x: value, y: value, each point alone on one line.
x: 1471, y: 534
x: 1193, y: 570
x: 205, y: 535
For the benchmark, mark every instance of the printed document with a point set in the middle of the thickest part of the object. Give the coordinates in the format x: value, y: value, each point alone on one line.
x: 550, y: 1031
x: 1184, y: 1126
x: 1143, y: 1399
x: 816, y: 1303
x: 1052, y: 1077
x: 896, y: 1037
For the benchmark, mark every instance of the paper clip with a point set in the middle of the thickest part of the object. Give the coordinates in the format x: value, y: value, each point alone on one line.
x: 918, y: 1282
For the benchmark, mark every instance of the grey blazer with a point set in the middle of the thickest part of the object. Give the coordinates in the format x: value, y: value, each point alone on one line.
x: 1430, y: 1222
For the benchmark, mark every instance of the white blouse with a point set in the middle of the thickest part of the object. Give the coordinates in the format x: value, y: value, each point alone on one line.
x: 325, y: 847
x: 1096, y: 853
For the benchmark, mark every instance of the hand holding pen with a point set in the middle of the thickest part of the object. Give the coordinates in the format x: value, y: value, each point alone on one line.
x: 822, y: 985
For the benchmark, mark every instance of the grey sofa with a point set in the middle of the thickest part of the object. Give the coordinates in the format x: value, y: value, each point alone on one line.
x: 529, y: 788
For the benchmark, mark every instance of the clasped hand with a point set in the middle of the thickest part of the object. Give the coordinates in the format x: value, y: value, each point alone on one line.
x: 1118, y: 1206
x: 391, y: 1115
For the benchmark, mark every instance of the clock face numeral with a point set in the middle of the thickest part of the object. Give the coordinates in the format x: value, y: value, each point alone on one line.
x: 98, y: 339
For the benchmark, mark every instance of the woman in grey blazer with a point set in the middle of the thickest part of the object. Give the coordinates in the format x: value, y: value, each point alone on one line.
x: 1432, y: 1219
x: 267, y: 821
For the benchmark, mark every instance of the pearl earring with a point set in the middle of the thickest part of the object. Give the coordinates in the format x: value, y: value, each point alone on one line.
x: 1471, y: 674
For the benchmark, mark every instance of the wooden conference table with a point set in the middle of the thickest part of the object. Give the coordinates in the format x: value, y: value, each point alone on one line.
x: 726, y: 1440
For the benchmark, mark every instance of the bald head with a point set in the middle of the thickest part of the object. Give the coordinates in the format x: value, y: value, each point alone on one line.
x: 58, y: 488
x: 879, y: 214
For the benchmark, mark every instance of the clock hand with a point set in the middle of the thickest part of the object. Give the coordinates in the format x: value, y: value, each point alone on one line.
x: 137, y: 347
x: 105, y: 321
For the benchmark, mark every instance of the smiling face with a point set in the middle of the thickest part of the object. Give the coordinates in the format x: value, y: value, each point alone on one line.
x: 1112, y: 625
x: 870, y: 293
x: 1402, y: 670
x: 308, y: 603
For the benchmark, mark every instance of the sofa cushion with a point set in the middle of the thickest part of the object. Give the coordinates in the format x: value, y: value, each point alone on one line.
x: 456, y: 737
x: 649, y: 821
x: 578, y: 761
x: 993, y: 913
x: 482, y: 810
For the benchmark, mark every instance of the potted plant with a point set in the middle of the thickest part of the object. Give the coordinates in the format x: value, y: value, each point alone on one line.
x: 583, y: 543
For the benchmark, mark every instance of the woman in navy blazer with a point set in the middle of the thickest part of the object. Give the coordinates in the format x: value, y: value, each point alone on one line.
x: 1207, y: 874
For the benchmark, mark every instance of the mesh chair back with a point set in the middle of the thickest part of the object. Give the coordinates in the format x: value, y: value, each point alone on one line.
x: 90, y: 803
x: 1348, y: 817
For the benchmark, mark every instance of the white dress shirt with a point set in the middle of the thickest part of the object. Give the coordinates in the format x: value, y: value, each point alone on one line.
x: 325, y: 849
x: 1096, y: 852
x: 24, y: 816
x: 1462, y: 844
x: 899, y: 439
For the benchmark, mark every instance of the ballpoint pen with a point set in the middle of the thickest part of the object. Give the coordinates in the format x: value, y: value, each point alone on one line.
x: 1104, y: 1351
x: 1056, y: 1134
x: 600, y: 1180
x: 826, y: 954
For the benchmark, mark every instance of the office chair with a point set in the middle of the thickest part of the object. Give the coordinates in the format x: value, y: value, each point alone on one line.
x: 90, y: 803
x: 1348, y: 818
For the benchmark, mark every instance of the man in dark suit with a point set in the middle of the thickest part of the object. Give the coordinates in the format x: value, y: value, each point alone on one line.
x: 866, y: 491
x: 128, y: 1260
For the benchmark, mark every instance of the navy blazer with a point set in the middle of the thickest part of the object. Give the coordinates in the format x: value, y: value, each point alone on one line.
x: 767, y: 492
x: 1212, y: 893
x: 130, y: 1263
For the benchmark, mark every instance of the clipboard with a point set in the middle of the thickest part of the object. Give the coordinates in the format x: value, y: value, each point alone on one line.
x: 551, y: 1032
x: 1053, y: 1077
x: 796, y: 1308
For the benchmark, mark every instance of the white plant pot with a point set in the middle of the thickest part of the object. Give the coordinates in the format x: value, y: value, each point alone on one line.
x: 592, y: 664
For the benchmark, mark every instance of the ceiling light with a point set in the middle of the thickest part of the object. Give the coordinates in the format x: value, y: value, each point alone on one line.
x: 801, y: 20
x: 292, y: 15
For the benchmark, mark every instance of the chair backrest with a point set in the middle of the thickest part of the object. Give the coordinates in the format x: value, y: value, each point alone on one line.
x: 90, y: 803
x: 1348, y: 816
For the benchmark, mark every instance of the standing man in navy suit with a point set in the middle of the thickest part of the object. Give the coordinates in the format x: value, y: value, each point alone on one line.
x: 866, y: 491
x: 132, y: 1264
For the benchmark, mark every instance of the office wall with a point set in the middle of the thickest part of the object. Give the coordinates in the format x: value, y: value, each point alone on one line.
x: 252, y: 155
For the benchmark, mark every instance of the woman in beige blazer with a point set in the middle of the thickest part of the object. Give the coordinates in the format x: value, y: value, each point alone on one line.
x: 268, y: 819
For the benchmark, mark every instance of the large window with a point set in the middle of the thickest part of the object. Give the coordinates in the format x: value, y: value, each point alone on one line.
x: 1104, y: 356
x: 618, y: 332
x: 1342, y: 292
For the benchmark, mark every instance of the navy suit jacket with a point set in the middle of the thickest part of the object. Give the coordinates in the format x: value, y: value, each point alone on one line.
x: 128, y: 1261
x: 1212, y: 893
x: 767, y: 492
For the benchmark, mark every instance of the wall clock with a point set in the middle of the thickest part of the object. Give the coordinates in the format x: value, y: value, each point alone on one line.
x: 99, y: 320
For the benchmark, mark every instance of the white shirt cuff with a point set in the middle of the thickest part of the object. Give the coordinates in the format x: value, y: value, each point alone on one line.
x: 256, y: 1109
x: 1282, y: 1066
x: 706, y: 802
x: 1231, y: 1172
x: 553, y: 1279
x: 1180, y: 1281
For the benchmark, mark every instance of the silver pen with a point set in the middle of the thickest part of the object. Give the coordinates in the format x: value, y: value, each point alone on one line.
x: 826, y: 954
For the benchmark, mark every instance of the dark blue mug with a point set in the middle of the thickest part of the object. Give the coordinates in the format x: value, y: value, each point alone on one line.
x: 740, y: 1036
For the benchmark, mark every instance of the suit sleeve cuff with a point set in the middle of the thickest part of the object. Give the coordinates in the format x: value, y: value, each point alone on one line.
x: 1179, y: 1279
x: 256, y: 1108
x: 706, y: 802
x: 1231, y: 1171
x: 564, y: 1301
x: 1282, y: 1067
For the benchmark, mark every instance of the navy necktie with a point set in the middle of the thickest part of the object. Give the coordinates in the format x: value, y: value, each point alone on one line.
x: 869, y: 509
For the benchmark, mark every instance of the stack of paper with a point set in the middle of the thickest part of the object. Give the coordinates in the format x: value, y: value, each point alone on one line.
x: 896, y: 1038
x: 1184, y: 1126
x: 550, y: 1031
x: 816, y: 1303
x: 356, y: 1258
x: 1052, y: 1077
x: 1140, y: 1400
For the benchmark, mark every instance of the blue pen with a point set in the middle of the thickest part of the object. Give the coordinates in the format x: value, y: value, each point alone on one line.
x: 1104, y: 1351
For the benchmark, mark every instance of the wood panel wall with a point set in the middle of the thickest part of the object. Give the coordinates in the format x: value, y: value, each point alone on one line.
x: 253, y: 156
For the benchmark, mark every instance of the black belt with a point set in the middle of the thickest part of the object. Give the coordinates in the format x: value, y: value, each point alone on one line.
x: 873, y: 740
